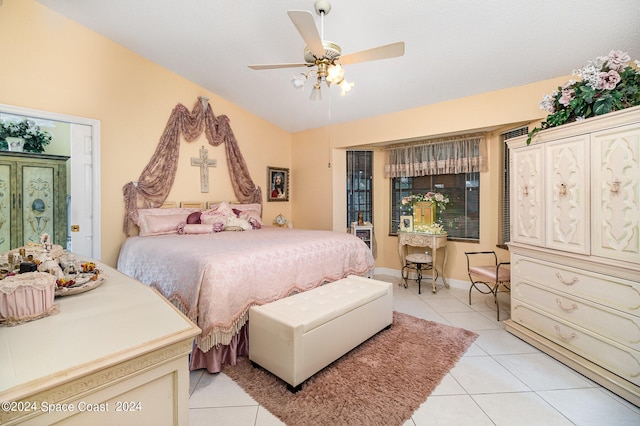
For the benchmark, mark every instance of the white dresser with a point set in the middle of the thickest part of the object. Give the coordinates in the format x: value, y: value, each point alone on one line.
x: 117, y: 354
x: 575, y: 247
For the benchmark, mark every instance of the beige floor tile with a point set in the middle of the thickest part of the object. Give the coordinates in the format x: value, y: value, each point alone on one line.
x: 459, y: 410
x: 541, y: 372
x: 218, y: 390
x: 591, y: 407
x: 482, y: 374
x: 521, y: 408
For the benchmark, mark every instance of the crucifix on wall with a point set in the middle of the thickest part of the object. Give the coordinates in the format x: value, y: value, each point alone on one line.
x: 204, y: 163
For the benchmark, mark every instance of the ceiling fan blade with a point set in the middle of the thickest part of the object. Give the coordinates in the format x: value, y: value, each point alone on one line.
x: 277, y: 66
x: 306, y: 26
x: 382, y: 52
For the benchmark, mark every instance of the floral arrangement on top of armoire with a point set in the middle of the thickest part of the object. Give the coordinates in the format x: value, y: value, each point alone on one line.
x: 608, y: 83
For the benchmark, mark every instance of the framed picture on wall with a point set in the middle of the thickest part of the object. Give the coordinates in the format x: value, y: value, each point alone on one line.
x: 406, y: 223
x: 278, y: 184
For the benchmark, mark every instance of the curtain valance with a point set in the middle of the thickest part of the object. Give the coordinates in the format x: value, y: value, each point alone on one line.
x: 436, y: 157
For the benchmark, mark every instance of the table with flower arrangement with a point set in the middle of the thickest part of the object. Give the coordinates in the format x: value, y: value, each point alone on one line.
x: 437, y: 242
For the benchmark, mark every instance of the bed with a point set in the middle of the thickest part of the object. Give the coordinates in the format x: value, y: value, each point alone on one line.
x: 214, y: 277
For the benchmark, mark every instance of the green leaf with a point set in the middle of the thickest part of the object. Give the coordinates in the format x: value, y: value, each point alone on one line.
x: 532, y: 134
x: 603, y: 105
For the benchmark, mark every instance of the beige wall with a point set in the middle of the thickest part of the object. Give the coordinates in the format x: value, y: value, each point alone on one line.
x: 59, y: 66
x: 53, y: 64
x: 500, y: 110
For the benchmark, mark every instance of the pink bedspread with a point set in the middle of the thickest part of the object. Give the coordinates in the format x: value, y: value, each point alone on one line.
x: 215, y: 278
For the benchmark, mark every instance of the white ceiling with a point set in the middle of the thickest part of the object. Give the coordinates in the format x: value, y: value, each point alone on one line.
x: 453, y: 48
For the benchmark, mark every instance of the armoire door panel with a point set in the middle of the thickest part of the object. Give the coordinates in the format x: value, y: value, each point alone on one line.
x: 567, y: 194
x: 616, y: 193
x: 527, y: 196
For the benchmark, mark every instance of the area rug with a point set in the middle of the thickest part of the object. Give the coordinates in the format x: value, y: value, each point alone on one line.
x: 381, y: 382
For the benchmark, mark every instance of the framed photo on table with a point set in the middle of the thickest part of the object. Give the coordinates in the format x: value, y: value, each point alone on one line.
x: 278, y: 184
x: 406, y: 223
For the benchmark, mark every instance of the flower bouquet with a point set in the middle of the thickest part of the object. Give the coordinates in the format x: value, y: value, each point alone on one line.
x: 609, y: 83
x: 431, y: 228
x: 439, y: 199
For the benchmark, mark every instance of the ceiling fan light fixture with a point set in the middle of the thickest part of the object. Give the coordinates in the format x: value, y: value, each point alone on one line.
x: 316, y: 93
x: 346, y: 87
x: 335, y: 74
x: 298, y: 81
x: 322, y: 55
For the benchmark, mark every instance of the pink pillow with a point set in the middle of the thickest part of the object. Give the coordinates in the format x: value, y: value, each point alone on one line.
x: 252, y: 218
x: 161, y: 221
x: 249, y: 212
x: 162, y: 224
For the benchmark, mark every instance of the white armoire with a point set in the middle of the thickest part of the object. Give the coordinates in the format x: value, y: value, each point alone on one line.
x: 575, y: 247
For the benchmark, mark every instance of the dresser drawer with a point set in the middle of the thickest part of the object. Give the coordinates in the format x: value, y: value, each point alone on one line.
x: 621, y: 360
x: 615, y: 325
x: 611, y: 291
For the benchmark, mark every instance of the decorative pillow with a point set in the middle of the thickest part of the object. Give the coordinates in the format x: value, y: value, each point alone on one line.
x: 194, y: 228
x: 250, y: 216
x: 218, y: 214
x: 237, y: 224
x: 161, y: 221
x: 250, y: 212
x: 256, y: 207
x: 210, y: 218
x: 194, y: 218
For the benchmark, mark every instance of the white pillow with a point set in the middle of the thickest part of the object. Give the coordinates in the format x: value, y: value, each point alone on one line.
x: 237, y: 224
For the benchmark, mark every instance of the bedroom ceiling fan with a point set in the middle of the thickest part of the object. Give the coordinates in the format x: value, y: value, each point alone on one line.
x: 325, y: 57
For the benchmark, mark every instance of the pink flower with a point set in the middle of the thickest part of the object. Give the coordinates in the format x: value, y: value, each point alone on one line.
x: 567, y: 96
x: 608, y: 80
x: 618, y: 60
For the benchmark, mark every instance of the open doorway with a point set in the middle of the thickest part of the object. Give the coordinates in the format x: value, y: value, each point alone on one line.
x: 78, y: 139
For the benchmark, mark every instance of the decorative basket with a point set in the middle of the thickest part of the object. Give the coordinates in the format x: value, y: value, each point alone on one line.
x: 26, y: 297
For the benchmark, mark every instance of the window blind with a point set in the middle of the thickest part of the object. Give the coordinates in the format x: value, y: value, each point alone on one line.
x: 505, y: 217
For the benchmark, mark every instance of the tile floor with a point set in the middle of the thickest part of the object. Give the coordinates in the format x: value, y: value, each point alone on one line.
x: 500, y: 380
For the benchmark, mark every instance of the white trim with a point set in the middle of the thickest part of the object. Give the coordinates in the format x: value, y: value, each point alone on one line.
x: 95, y: 135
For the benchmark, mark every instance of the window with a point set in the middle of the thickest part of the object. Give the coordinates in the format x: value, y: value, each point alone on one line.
x: 450, y: 166
x: 504, y: 209
x: 461, y: 219
x: 359, y: 186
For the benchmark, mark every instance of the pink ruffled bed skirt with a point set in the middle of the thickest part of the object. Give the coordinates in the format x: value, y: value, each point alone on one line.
x: 216, y: 357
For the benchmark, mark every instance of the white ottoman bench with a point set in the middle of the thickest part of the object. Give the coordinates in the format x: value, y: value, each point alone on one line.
x: 297, y: 336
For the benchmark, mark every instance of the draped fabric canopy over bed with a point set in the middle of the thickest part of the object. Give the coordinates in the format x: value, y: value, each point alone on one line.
x: 155, y: 182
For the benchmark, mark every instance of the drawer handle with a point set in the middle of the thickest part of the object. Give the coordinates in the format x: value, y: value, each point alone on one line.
x: 525, y: 190
x: 569, y: 309
x: 572, y: 336
x: 565, y: 282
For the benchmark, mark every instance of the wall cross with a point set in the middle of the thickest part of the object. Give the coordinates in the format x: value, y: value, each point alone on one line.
x: 204, y: 163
